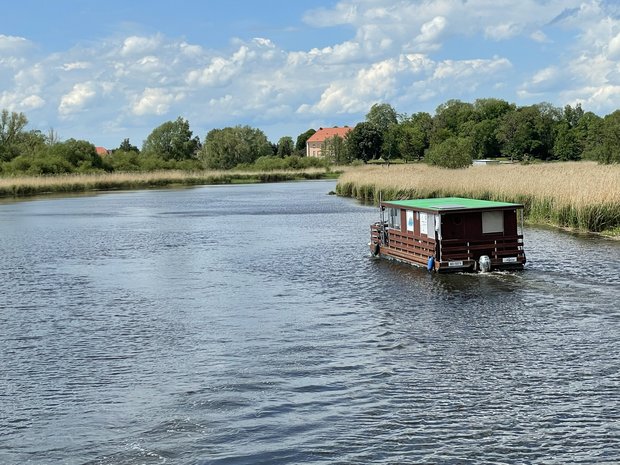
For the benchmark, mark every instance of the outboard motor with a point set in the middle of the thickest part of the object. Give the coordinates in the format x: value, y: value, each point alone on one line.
x: 484, y: 263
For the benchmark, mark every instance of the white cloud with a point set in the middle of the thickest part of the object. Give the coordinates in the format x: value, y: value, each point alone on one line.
x: 136, y: 45
x: 75, y: 65
x: 539, y: 36
x: 32, y: 102
x: 386, y: 52
x: 77, y: 98
x: 152, y: 102
x: 430, y: 33
x: 502, y: 31
x: 13, y: 44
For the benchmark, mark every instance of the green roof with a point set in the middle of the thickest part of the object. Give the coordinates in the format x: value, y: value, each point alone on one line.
x: 451, y: 203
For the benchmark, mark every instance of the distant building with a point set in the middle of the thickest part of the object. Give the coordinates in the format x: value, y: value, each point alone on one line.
x: 315, y: 142
x: 102, y: 151
x: 485, y: 162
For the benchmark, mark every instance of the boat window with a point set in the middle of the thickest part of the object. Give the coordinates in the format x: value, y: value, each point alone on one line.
x: 394, y: 218
x: 492, y: 222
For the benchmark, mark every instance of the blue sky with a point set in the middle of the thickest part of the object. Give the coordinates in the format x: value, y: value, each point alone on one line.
x: 105, y: 71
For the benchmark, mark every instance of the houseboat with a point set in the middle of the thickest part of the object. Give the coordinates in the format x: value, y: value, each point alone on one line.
x: 450, y: 234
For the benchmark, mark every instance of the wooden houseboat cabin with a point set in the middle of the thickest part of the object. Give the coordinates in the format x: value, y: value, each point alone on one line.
x: 450, y: 234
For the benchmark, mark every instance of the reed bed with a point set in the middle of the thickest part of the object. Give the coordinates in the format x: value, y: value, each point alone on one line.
x: 34, y: 185
x: 576, y: 195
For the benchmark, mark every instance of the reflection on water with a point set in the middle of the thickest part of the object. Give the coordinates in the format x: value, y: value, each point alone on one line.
x: 247, y: 324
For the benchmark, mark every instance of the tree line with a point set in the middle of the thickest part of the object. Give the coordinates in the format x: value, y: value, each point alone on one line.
x: 456, y: 134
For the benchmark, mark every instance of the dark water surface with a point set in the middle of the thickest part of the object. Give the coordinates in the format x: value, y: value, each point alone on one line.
x: 248, y: 325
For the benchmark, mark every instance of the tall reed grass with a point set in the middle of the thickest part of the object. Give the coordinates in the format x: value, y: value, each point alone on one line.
x: 34, y: 185
x: 578, y: 195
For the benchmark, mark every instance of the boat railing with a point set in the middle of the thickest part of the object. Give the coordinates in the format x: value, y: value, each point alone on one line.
x: 496, y: 248
x: 403, y: 245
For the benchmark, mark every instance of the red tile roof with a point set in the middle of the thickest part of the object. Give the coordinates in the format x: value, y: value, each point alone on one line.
x: 325, y: 133
x: 102, y: 151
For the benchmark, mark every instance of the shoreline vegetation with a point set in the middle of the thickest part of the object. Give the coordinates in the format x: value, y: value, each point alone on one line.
x: 582, y: 196
x: 24, y: 186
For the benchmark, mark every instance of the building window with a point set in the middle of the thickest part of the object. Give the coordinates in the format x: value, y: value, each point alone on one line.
x: 492, y: 222
x: 394, y: 218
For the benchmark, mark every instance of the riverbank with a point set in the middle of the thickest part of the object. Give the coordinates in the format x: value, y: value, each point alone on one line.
x: 582, y: 196
x: 36, y: 185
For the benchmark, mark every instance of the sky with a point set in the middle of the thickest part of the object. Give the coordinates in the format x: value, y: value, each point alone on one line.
x: 106, y: 71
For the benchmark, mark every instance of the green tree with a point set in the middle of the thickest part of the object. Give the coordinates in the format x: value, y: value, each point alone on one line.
x: 590, y: 130
x: 567, y: 145
x: 172, y: 141
x: 414, y: 136
x: 610, y: 152
x: 364, y: 142
x: 572, y: 116
x: 11, y: 130
x: 454, y: 152
x: 449, y: 119
x: 382, y: 116
x: 126, y: 146
x: 229, y: 147
x: 285, y: 147
x: 334, y: 150
x: 300, y: 145
x: 80, y: 154
x: 528, y: 132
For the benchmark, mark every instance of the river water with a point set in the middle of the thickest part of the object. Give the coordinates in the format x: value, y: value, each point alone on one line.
x: 248, y: 325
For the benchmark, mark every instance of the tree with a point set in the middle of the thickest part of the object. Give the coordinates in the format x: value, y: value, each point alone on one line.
x: 573, y: 115
x: 285, y: 147
x: 364, y: 142
x: 228, y: 147
x: 127, y: 147
x: 382, y: 116
x: 527, y: 132
x: 300, y: 145
x: 80, y: 154
x: 610, y: 152
x: 415, y: 136
x: 567, y: 145
x: 11, y: 129
x: 172, y: 141
x: 590, y: 133
x: 449, y: 119
x: 334, y: 149
x: 455, y: 152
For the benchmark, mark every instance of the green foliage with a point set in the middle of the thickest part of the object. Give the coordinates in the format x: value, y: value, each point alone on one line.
x: 364, y: 142
x: 172, y: 141
x: 610, y: 152
x: 567, y: 145
x: 382, y: 116
x: 413, y: 136
x: 455, y: 152
x: 226, y: 148
x: 11, y: 130
x: 285, y: 147
x: 80, y: 154
x: 127, y: 147
x: 334, y: 149
x: 300, y: 145
x: 293, y: 162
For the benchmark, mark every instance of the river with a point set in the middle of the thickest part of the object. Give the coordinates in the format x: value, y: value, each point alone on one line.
x: 248, y: 325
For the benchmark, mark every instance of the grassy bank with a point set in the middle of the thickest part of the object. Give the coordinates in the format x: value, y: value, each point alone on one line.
x: 25, y: 186
x: 576, y: 195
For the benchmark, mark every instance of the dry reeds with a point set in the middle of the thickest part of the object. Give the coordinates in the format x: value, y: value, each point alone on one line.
x: 580, y: 195
x: 33, y: 185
